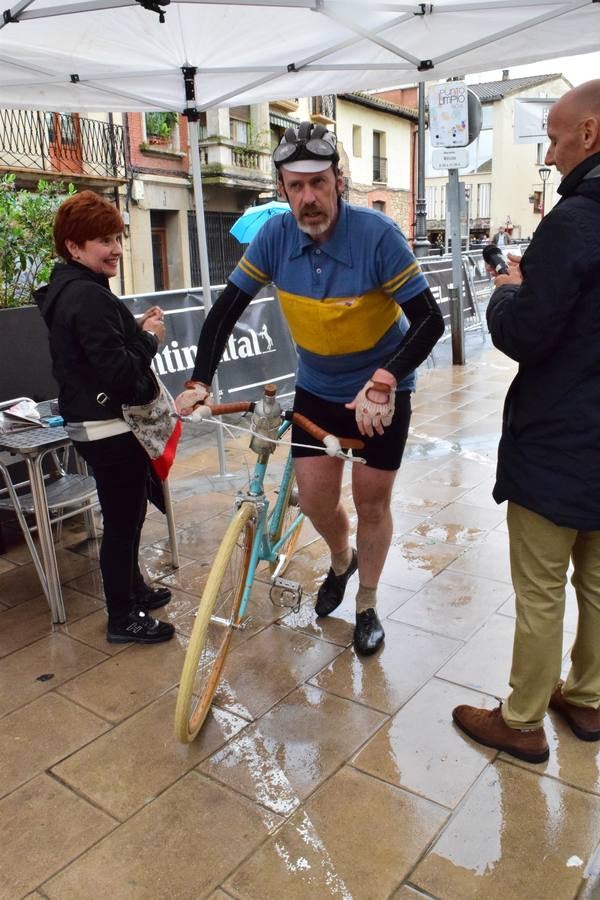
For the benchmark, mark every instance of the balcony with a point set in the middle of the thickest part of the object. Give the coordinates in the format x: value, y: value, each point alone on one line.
x: 379, y: 170
x: 61, y: 145
x: 235, y: 165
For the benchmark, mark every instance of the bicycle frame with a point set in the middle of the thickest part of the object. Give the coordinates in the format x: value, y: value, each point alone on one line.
x: 263, y: 548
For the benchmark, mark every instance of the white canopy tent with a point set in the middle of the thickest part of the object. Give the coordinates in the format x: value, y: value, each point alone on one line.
x: 74, y: 55
x: 70, y: 55
x: 117, y: 55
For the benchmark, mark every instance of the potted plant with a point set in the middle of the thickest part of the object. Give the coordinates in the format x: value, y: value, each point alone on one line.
x: 160, y: 126
x: 26, y: 260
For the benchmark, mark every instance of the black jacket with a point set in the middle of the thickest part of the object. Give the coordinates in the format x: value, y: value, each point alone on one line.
x: 549, y: 454
x: 96, y: 345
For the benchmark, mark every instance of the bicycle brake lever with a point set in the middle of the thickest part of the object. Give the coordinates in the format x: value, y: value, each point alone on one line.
x: 353, y: 459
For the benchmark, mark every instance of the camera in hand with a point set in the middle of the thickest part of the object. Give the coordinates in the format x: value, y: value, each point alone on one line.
x: 493, y: 257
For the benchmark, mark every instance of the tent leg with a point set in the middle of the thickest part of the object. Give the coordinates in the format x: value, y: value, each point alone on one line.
x: 203, y: 256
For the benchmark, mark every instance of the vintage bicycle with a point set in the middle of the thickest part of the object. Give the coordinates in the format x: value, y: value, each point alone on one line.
x: 255, y: 534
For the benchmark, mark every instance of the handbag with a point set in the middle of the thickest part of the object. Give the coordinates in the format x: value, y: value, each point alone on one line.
x: 156, y: 427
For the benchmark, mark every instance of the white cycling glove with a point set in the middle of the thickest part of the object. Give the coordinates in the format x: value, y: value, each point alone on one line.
x: 373, y: 412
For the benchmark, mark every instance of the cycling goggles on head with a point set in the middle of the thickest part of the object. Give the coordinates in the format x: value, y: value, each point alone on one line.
x: 308, y: 141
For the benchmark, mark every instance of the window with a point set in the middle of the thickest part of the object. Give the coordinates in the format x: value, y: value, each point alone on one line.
x: 357, y: 140
x: 379, y: 205
x: 239, y: 131
x: 430, y: 193
x: 540, y: 155
x: 162, y: 128
x: 484, y: 193
x: 379, y: 158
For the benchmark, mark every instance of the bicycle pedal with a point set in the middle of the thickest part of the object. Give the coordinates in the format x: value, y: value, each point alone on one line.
x: 291, y: 589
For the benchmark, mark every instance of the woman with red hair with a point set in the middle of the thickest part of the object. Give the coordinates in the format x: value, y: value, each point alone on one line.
x: 101, y: 359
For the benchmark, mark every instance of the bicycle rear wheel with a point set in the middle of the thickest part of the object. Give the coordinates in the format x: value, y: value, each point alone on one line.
x: 290, y: 512
x: 209, y: 641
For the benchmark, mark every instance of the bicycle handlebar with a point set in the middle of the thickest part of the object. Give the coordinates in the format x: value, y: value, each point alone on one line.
x: 320, y: 434
x: 207, y: 410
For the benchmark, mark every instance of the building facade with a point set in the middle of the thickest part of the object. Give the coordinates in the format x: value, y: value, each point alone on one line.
x: 503, y: 185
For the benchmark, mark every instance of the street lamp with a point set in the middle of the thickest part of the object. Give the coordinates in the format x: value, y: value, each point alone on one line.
x: 544, y: 175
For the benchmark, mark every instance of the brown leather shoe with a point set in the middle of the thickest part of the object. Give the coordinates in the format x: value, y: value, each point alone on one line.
x: 486, y: 726
x: 582, y: 720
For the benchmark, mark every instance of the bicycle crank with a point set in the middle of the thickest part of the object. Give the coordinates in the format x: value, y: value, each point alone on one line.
x: 289, y: 589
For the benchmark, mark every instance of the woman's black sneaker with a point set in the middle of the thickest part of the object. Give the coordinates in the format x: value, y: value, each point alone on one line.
x: 331, y: 592
x: 140, y: 628
x: 151, y: 598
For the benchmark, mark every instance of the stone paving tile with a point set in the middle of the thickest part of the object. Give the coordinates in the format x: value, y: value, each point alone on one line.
x: 5, y: 565
x: 412, y: 561
x: 335, y: 847
x: 483, y: 664
x: 32, y: 847
x: 267, y: 667
x: 41, y: 666
x: 36, y: 736
x: 490, y: 557
x: 181, y: 845
x: 21, y: 625
x: 128, y: 768
x: 292, y: 749
x: 384, y: 681
x: 419, y: 749
x: 453, y: 604
x: 121, y: 685
x: 518, y: 835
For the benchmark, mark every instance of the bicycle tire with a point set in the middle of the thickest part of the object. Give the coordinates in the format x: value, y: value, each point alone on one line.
x: 291, y: 510
x: 222, y: 596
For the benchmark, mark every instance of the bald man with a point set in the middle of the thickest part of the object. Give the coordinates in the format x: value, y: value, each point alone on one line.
x: 545, y: 314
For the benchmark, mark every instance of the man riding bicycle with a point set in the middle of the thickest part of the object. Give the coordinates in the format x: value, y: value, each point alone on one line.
x: 363, y: 318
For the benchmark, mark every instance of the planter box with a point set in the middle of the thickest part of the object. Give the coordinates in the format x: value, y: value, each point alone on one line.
x: 26, y: 369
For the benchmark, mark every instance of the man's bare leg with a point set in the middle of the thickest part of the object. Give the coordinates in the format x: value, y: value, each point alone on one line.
x: 372, y: 492
x: 319, y: 489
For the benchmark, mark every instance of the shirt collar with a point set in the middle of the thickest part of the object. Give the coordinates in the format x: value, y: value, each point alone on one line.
x: 338, y: 245
x: 581, y: 171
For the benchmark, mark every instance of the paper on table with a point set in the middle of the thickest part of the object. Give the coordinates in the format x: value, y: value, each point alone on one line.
x: 23, y: 414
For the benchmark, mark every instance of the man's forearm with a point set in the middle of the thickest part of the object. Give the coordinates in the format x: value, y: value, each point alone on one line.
x: 426, y: 328
x: 219, y: 324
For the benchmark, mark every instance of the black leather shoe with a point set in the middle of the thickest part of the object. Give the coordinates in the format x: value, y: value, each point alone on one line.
x: 152, y: 598
x: 331, y: 592
x: 368, y: 633
x: 140, y: 628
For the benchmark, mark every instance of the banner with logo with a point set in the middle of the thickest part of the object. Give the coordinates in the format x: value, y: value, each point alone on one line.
x: 260, y: 349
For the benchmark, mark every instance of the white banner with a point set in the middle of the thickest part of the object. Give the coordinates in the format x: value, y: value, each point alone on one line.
x: 531, y: 117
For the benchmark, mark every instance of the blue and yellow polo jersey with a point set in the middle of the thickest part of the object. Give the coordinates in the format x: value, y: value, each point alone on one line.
x: 341, y: 299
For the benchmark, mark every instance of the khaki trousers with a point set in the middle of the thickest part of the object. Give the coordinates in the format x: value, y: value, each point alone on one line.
x: 539, y: 559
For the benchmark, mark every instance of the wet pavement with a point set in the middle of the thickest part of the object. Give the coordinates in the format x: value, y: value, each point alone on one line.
x: 318, y: 774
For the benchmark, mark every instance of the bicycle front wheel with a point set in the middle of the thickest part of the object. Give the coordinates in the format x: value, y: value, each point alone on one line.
x: 290, y: 512
x: 211, y: 635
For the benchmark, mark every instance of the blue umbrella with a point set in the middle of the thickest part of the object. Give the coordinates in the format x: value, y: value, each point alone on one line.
x: 249, y: 224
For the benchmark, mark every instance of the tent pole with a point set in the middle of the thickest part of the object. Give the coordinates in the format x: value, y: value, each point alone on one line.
x: 420, y: 244
x: 203, y: 256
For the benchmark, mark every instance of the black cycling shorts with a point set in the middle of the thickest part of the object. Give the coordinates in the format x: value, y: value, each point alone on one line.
x: 382, y: 451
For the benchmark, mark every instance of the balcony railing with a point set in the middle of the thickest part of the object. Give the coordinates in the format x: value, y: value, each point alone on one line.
x: 380, y: 169
x: 61, y: 144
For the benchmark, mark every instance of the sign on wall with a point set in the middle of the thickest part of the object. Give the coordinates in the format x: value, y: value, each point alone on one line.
x: 531, y: 119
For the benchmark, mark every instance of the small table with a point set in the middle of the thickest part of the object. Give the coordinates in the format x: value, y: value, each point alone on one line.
x: 31, y: 445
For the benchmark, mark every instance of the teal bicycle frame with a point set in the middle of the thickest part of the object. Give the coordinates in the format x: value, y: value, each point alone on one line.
x: 264, y: 546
